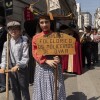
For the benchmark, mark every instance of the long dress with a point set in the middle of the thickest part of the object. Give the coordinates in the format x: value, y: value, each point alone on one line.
x: 43, y: 88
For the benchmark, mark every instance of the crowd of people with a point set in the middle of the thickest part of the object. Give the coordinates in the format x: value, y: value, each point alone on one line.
x: 22, y: 50
x: 86, y: 47
x: 18, y: 65
x: 89, y: 43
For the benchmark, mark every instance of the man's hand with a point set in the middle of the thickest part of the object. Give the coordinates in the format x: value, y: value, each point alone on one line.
x: 31, y: 8
x: 15, y: 68
x: 2, y: 70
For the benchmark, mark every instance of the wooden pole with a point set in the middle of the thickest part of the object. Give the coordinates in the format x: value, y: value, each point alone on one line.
x: 56, y: 75
x: 47, y: 2
x: 7, y: 68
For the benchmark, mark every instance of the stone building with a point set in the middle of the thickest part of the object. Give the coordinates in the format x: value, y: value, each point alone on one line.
x: 19, y: 7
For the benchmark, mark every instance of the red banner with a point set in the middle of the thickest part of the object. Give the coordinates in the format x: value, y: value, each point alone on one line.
x: 27, y: 14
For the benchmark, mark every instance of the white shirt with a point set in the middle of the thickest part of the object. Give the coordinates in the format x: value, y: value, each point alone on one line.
x: 87, y: 34
x: 19, y: 53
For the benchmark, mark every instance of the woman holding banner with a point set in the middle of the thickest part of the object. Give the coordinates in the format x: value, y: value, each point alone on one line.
x: 45, y: 65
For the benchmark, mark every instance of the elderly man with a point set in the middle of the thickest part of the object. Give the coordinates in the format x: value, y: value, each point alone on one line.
x: 86, y: 41
x: 18, y: 61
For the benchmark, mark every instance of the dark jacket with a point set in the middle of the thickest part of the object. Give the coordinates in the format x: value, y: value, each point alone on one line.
x: 3, y: 38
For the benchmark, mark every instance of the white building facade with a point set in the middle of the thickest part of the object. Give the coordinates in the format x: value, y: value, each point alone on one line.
x: 80, y: 17
x: 97, y: 19
x: 87, y: 18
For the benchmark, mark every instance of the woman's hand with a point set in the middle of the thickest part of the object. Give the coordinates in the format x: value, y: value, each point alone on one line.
x: 51, y: 63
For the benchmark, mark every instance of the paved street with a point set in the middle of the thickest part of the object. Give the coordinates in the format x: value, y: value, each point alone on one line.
x: 85, y: 86
x: 78, y: 87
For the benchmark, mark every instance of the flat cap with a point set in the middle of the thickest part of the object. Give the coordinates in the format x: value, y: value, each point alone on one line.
x: 13, y: 23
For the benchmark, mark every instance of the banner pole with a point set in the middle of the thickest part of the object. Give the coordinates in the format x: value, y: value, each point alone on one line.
x: 7, y: 68
x: 55, y: 81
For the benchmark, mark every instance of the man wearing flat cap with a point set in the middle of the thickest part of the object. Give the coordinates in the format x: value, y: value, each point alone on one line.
x: 18, y: 61
x: 86, y: 41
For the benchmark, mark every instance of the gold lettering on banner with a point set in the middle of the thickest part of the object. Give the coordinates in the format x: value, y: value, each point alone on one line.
x: 56, y: 44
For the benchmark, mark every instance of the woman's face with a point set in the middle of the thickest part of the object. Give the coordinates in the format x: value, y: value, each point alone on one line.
x: 44, y: 24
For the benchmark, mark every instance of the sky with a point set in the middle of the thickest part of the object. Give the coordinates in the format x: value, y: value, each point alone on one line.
x: 89, y: 5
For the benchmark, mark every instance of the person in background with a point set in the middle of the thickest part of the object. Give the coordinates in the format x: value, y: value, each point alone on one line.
x: 96, y: 39
x: 18, y: 55
x: 86, y: 41
x: 72, y: 63
x: 30, y: 29
x: 81, y: 32
x: 3, y: 37
x: 45, y: 66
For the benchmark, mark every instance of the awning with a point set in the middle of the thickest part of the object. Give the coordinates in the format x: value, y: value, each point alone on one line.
x: 59, y: 8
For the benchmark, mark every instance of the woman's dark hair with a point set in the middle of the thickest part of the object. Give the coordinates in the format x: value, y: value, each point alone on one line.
x: 2, y: 21
x: 44, y: 16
